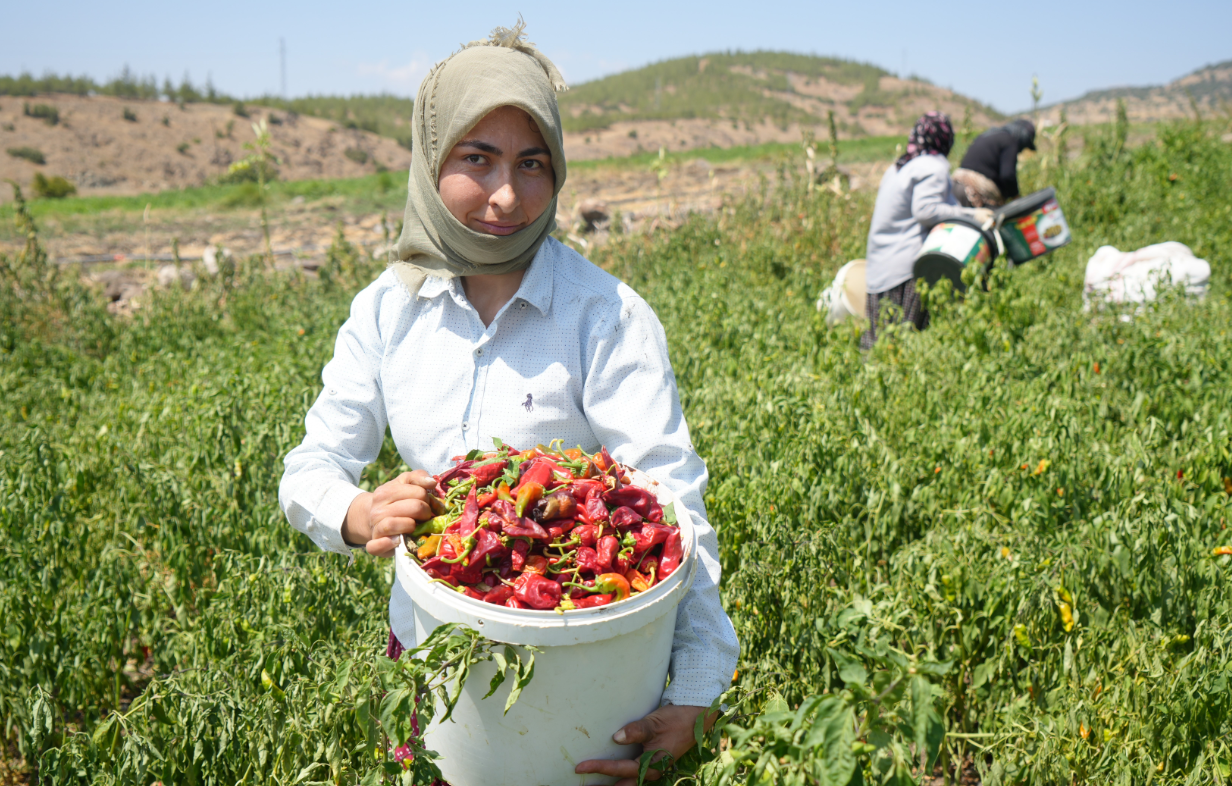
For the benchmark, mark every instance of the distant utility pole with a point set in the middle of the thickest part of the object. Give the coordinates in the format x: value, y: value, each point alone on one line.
x: 282, y: 59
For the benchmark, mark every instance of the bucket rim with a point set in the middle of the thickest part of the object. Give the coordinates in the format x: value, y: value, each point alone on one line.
x: 989, y: 238
x: 1025, y: 205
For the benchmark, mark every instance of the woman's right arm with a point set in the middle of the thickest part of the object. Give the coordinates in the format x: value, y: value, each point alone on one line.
x: 344, y: 430
x: 931, y: 198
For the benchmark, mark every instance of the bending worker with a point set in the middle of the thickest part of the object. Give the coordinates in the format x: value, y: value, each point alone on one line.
x: 988, y: 175
x: 915, y: 194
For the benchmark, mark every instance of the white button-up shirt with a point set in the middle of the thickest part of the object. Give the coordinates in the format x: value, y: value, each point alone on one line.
x: 575, y: 355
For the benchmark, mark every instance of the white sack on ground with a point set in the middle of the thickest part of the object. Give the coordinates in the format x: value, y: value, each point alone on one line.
x: 1132, y: 276
x: 845, y: 296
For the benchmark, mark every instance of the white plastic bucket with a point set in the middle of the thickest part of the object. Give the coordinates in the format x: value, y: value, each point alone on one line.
x: 598, y: 669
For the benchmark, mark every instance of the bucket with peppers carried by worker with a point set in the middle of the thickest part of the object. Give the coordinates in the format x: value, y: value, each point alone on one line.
x: 951, y: 247
x: 1032, y: 226
x: 597, y: 668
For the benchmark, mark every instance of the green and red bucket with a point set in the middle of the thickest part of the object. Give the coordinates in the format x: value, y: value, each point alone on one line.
x: 1032, y: 226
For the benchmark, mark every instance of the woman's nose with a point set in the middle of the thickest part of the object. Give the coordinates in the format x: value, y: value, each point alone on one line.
x: 504, y: 198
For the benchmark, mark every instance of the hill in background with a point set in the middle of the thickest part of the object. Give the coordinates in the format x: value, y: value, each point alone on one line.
x: 1208, y: 88
x: 740, y: 98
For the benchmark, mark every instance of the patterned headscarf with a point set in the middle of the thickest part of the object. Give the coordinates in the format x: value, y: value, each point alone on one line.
x: 932, y: 134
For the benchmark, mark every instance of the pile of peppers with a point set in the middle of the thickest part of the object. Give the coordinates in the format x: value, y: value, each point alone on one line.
x: 545, y: 529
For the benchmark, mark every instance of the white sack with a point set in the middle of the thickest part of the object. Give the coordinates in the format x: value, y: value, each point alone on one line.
x: 1132, y: 276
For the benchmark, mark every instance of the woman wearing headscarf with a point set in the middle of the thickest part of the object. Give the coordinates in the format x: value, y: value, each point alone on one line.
x: 914, y: 195
x: 485, y: 327
x: 988, y: 175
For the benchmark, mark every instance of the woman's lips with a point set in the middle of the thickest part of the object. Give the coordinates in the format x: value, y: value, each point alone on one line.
x: 497, y: 229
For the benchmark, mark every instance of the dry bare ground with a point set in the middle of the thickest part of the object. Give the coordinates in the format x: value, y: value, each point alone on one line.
x: 167, y: 147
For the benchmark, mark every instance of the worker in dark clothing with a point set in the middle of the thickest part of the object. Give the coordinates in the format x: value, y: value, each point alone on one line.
x: 988, y: 175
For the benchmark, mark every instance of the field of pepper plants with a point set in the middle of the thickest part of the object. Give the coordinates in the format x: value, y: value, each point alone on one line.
x: 987, y: 551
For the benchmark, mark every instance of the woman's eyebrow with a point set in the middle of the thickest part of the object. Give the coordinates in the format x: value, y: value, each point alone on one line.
x: 534, y: 151
x: 483, y: 146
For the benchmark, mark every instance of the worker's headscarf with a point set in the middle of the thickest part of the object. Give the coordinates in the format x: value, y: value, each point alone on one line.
x: 1023, y: 131
x: 932, y: 134
x: 459, y: 92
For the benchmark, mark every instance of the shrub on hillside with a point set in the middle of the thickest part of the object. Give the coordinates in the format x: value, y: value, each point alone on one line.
x: 130, y: 115
x: 356, y: 155
x: 45, y: 112
x: 54, y: 187
x: 31, y: 154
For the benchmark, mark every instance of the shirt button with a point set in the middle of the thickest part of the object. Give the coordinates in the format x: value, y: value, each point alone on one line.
x: 465, y: 425
x: 479, y: 352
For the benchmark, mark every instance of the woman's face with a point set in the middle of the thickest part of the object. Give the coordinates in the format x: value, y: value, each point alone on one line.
x: 499, y: 178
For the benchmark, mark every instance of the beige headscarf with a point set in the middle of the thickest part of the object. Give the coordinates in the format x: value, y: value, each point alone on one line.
x: 459, y: 92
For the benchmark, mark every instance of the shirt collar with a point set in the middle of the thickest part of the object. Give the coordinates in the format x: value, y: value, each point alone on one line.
x: 536, y: 287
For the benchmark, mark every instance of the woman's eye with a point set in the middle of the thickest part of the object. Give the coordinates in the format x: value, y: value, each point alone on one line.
x: 531, y: 163
x: 474, y: 158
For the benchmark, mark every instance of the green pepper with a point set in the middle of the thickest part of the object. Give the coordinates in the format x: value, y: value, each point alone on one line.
x: 433, y: 526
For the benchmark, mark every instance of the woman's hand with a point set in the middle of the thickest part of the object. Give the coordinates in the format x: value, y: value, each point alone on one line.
x: 376, y: 519
x: 668, y: 728
x: 984, y: 217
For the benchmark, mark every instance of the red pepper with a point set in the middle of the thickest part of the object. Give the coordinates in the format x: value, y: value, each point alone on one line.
x: 591, y: 601
x: 537, y: 471
x: 536, y: 591
x: 470, y: 514
x: 596, y: 511
x: 488, y: 472
x: 528, y: 495
x: 525, y: 528
x: 453, y: 473
x: 560, y: 527
x: 487, y: 499
x: 514, y: 603
x: 499, y: 594
x: 608, y: 547
x: 471, y: 593
x: 623, y: 562
x: 649, y: 567
x: 520, y: 549
x: 585, y: 489
x: 650, y: 536
x: 586, y: 534
x: 470, y: 570
x: 505, y: 509
x: 673, y: 552
x: 639, y: 499
x: 587, y: 560
x: 625, y: 517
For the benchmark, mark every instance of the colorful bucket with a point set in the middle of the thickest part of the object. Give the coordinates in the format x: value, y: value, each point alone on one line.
x: 951, y: 247
x: 1032, y: 226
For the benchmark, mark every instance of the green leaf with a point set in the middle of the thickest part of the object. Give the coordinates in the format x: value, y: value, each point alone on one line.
x: 526, y: 672
x: 849, y: 669
x: 669, y: 513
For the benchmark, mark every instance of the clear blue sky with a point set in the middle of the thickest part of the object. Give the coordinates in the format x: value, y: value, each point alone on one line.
x: 988, y: 50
